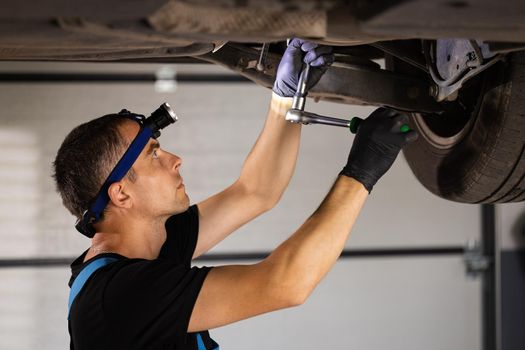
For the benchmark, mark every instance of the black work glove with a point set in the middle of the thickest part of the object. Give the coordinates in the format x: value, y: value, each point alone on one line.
x: 376, y: 146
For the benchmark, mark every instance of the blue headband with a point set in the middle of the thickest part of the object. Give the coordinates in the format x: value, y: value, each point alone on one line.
x: 94, y: 213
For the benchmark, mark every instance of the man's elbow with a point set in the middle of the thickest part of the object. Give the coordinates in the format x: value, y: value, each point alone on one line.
x: 287, y: 293
x: 270, y: 201
x: 294, y: 297
x: 267, y: 200
x: 264, y: 198
x: 287, y: 286
x: 264, y: 202
x: 269, y: 197
x: 299, y: 298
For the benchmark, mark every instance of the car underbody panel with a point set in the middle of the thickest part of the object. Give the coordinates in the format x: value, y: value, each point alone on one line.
x: 165, y: 30
x: 121, y: 29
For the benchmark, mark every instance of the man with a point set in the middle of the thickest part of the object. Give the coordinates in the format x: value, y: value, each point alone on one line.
x: 146, y: 295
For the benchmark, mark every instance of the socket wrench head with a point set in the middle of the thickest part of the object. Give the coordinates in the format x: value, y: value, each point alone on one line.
x: 295, y: 116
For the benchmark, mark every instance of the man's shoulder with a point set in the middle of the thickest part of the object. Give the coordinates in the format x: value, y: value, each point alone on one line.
x: 188, y: 217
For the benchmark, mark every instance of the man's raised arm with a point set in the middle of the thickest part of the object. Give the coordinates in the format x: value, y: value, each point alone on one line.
x: 270, y: 165
x: 288, y: 276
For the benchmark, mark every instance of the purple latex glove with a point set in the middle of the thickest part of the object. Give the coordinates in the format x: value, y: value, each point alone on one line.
x: 298, y: 51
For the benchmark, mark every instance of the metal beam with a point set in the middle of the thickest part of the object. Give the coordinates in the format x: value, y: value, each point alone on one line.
x: 21, y: 77
x: 342, y: 82
x: 354, y: 253
x: 491, y: 310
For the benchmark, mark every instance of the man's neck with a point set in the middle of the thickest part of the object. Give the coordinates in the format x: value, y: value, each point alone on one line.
x: 131, y: 238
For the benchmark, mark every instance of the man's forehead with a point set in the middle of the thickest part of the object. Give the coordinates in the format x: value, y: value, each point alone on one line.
x: 129, y: 130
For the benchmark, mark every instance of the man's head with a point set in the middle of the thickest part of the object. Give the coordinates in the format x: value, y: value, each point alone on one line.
x: 91, y: 151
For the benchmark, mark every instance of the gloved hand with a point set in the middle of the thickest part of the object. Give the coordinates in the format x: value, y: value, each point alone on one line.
x: 376, y: 146
x: 318, y: 56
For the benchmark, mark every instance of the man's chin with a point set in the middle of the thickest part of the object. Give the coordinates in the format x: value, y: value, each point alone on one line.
x: 183, y: 205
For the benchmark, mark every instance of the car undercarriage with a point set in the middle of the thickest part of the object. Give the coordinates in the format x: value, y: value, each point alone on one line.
x: 456, y: 67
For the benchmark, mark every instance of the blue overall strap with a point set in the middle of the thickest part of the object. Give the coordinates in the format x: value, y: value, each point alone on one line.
x: 83, y: 277
x: 201, y: 346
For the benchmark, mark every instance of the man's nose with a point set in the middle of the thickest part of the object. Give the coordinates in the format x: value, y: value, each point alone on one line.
x: 177, y: 162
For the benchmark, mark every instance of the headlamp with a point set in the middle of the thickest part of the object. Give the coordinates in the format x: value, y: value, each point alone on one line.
x: 149, y: 128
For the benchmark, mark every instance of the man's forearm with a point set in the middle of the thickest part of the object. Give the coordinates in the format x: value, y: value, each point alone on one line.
x: 307, y: 256
x: 271, y: 162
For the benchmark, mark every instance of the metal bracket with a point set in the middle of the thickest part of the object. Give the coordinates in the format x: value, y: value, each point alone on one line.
x: 452, y: 62
x: 475, y: 262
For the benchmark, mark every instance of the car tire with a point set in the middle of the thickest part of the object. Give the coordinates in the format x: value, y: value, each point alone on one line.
x: 474, y: 151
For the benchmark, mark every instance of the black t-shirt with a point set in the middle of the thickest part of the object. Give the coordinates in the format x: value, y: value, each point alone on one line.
x: 138, y: 303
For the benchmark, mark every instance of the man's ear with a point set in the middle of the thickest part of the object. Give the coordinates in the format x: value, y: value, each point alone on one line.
x: 119, y: 195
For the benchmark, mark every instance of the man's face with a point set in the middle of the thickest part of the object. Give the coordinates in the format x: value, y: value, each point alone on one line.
x: 158, y: 189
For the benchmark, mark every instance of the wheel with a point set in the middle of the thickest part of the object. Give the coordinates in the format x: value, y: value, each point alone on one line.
x: 474, y: 151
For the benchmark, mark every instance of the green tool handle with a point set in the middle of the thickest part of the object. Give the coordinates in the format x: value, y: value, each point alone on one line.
x: 356, y: 121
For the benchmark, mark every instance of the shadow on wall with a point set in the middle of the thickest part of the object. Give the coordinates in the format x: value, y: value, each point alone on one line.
x: 513, y: 289
x: 518, y: 235
x: 518, y: 231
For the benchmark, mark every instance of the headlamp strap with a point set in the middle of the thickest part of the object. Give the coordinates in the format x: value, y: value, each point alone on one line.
x: 121, y: 169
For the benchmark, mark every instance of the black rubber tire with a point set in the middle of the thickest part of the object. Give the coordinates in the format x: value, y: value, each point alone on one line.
x: 482, y: 161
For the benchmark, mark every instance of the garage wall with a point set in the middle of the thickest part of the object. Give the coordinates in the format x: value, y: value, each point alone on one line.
x: 394, y: 303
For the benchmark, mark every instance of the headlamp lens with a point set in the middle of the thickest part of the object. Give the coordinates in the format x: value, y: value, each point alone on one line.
x: 160, y: 118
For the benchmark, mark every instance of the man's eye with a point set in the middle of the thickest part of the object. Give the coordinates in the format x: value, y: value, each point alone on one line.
x: 155, y: 155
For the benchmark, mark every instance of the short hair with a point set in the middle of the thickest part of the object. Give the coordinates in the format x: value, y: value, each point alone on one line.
x: 85, y: 159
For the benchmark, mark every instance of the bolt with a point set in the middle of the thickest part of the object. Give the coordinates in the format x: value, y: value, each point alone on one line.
x: 471, y: 56
x: 433, y: 91
x: 241, y: 63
